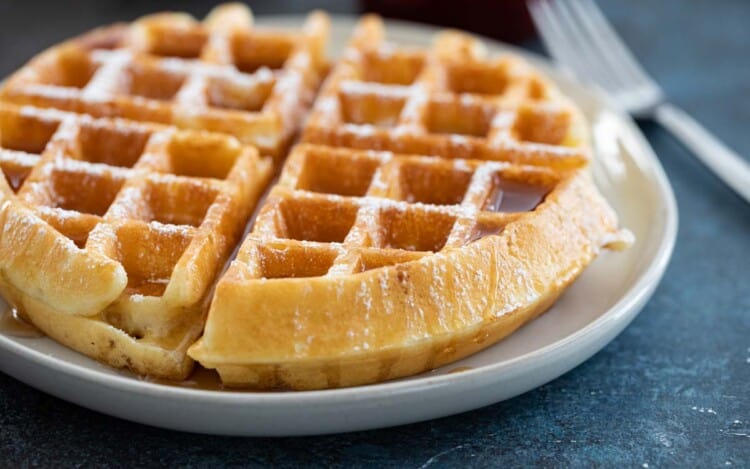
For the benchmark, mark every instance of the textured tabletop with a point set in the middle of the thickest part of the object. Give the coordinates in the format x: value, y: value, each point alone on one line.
x: 673, y: 389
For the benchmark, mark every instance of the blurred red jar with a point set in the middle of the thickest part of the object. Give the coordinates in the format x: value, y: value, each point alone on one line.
x: 507, y: 20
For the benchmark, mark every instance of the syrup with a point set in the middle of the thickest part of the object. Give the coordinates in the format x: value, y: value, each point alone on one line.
x: 15, y: 179
x: 460, y: 369
x: 511, y: 196
x: 480, y: 231
x: 79, y: 238
x: 201, y: 378
x: 12, y: 324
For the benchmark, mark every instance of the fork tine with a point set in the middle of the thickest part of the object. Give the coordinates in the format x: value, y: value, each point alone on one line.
x: 554, y: 37
x: 584, y: 45
x: 589, y: 46
x: 560, y: 39
x: 612, y: 49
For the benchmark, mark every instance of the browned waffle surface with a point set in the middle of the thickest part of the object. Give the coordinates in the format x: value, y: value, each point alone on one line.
x: 367, y: 265
x: 452, y: 100
x: 441, y: 200
x: 222, y: 74
x: 114, y: 231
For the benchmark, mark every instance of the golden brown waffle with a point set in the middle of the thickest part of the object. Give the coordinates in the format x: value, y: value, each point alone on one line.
x: 222, y: 75
x: 451, y: 100
x: 365, y: 265
x: 113, y: 232
x: 442, y: 199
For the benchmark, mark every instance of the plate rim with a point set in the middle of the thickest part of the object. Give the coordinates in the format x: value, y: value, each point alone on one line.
x: 634, y: 297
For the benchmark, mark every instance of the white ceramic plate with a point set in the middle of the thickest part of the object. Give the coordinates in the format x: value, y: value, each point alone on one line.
x: 590, y: 314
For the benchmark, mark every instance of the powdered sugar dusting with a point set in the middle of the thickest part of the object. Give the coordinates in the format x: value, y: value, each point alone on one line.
x: 377, y: 89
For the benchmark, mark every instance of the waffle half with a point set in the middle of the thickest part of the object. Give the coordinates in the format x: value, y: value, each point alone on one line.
x: 441, y: 201
x: 222, y: 75
x: 452, y: 101
x: 113, y: 232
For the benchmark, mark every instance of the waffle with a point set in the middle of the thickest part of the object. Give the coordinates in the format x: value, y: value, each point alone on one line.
x: 113, y: 231
x: 221, y: 75
x: 452, y: 101
x: 441, y: 200
x: 364, y: 266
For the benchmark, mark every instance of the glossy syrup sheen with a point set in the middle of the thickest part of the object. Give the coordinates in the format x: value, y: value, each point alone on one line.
x: 510, y: 196
x: 208, y: 380
x: 15, y: 178
x: 460, y: 369
x: 12, y: 324
x: 480, y: 231
x: 200, y: 378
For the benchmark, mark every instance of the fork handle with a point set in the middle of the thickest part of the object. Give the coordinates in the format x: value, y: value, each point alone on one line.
x: 725, y: 163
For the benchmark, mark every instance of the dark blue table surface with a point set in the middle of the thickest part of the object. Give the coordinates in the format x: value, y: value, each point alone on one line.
x: 673, y: 389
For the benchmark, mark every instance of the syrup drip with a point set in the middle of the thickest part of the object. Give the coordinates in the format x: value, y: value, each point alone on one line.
x: 460, y: 369
x: 510, y: 196
x: 200, y: 378
x: 480, y: 231
x: 15, y: 179
x: 12, y: 324
x: 79, y: 238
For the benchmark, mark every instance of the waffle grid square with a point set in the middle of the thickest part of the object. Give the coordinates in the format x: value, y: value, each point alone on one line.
x: 222, y: 75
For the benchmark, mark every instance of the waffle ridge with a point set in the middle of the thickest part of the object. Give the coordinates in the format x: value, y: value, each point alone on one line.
x: 394, y: 212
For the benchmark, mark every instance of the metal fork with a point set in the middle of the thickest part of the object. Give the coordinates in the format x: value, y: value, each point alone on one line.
x: 578, y: 36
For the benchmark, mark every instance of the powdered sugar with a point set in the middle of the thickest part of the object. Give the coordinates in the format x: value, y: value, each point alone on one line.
x: 362, y: 130
x: 376, y: 89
